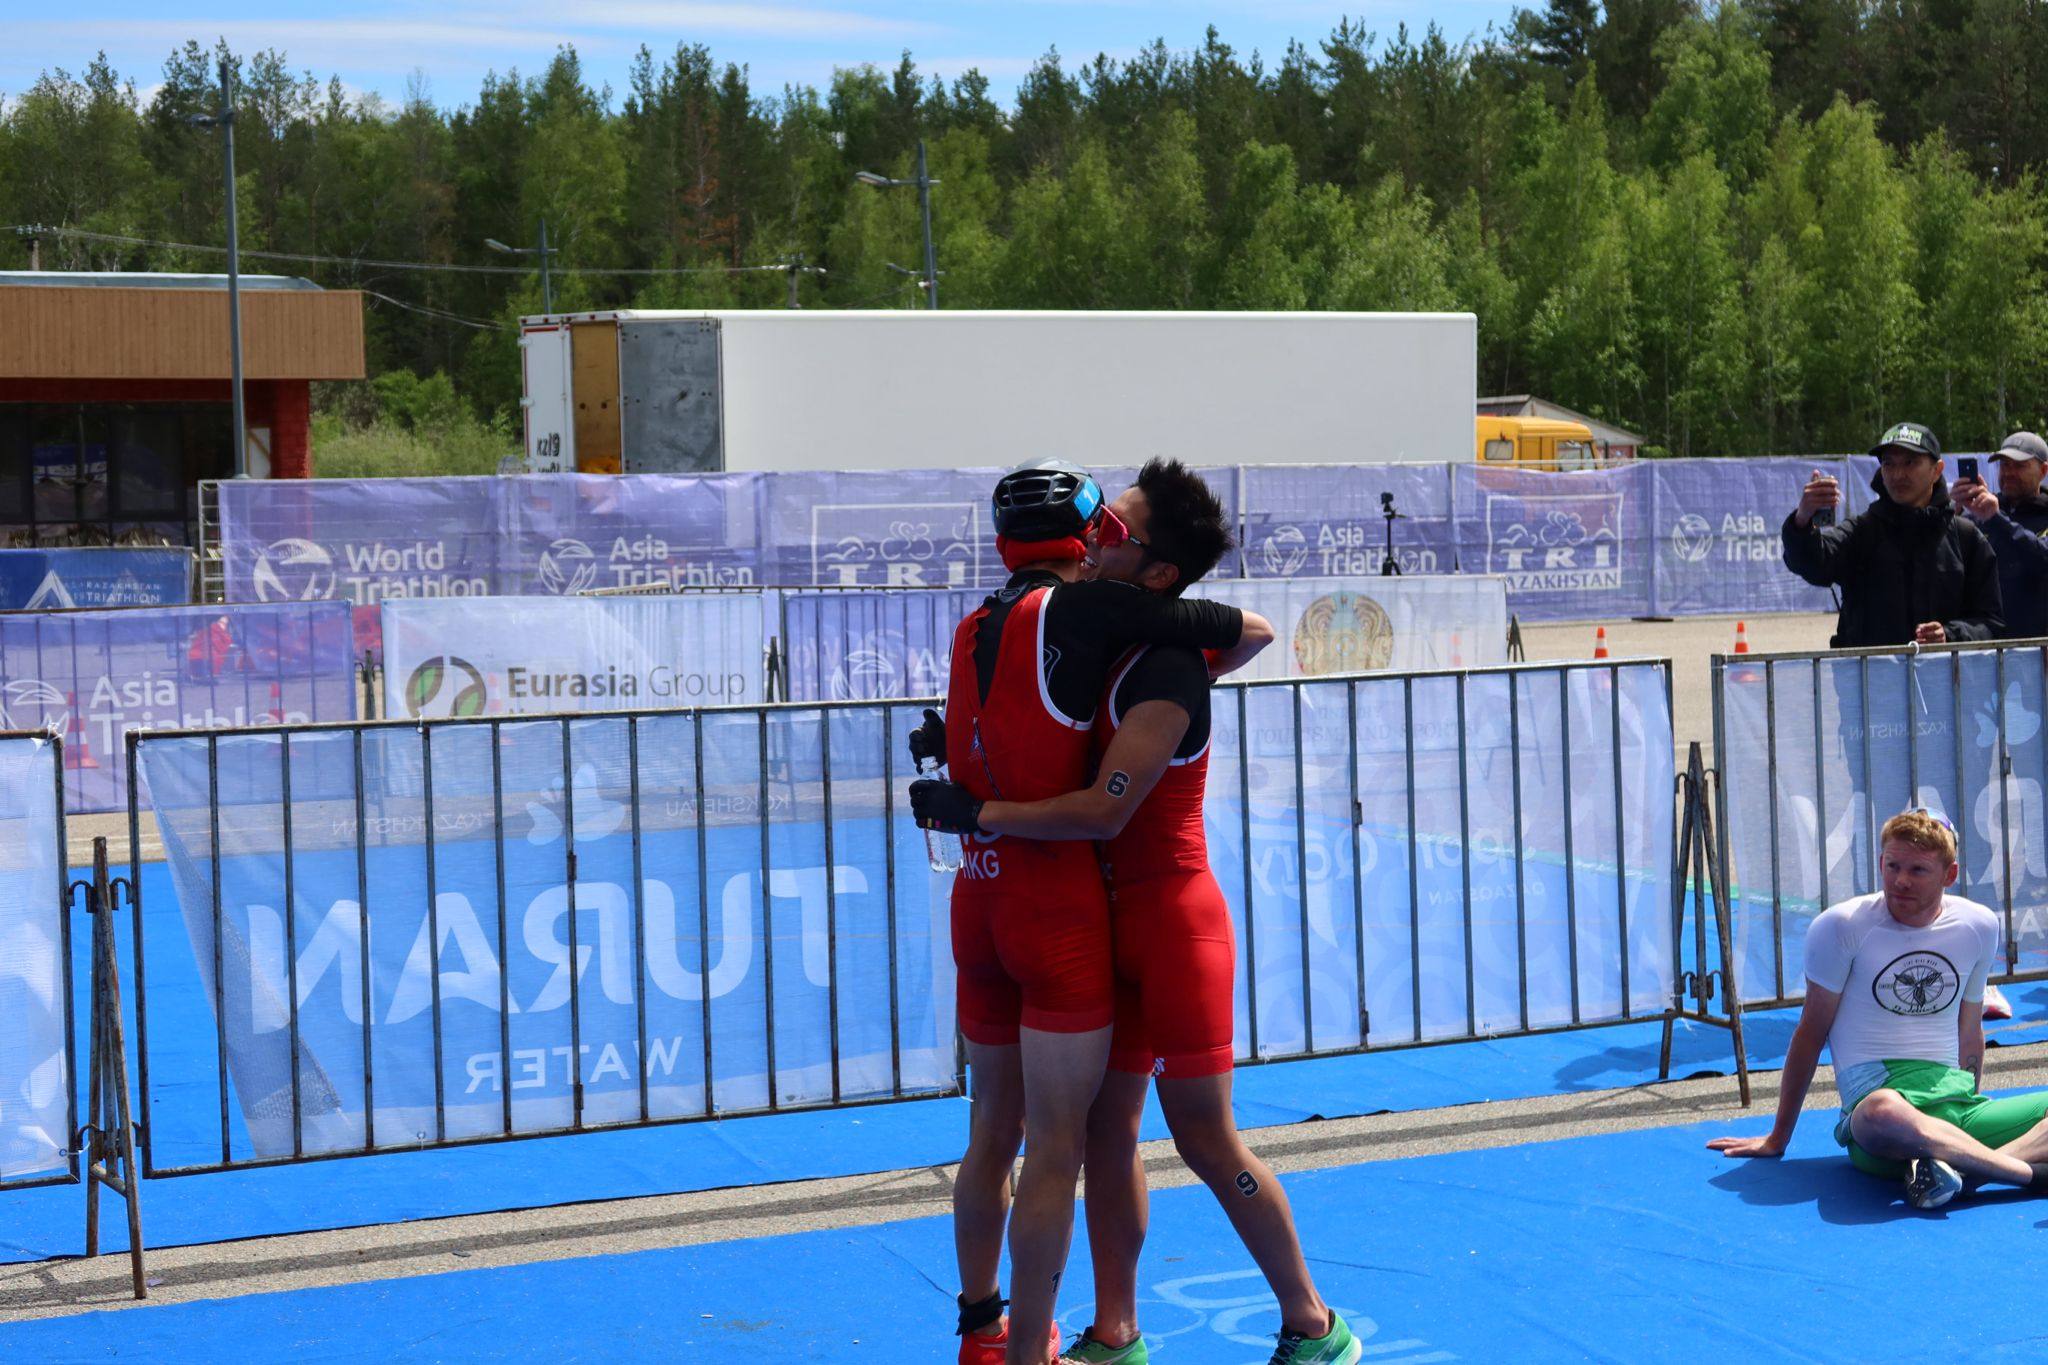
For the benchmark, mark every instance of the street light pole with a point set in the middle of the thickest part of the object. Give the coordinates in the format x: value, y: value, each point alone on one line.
x: 544, y: 251
x: 924, y: 183
x: 224, y: 119
x: 547, y: 284
x: 931, y: 262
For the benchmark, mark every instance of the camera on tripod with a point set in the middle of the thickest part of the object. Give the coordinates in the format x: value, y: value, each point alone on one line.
x: 1389, y: 566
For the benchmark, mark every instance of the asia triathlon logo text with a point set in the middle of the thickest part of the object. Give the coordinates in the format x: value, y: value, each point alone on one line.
x: 1917, y: 983
x: 896, y: 545
x: 568, y: 567
x: 445, y: 686
x: 32, y: 704
x: 1743, y: 537
x: 1555, y: 543
x: 1337, y: 549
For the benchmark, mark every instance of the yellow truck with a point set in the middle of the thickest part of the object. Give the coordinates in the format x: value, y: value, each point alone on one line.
x: 1534, y: 443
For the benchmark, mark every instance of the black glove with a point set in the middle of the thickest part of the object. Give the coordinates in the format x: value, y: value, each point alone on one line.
x: 944, y: 806
x: 928, y: 741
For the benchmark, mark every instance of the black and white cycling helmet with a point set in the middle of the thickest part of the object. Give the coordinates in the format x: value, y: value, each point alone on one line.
x: 1045, y: 500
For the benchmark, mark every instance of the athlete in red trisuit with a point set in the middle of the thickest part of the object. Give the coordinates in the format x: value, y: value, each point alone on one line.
x: 1031, y: 919
x: 1173, y: 946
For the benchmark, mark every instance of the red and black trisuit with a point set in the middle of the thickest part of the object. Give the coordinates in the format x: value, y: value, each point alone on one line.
x: 1031, y: 936
x: 1174, y: 953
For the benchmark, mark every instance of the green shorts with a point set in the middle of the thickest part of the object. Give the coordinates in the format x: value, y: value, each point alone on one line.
x: 1948, y: 1094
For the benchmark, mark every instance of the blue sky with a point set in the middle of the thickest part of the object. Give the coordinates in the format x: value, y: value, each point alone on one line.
x: 378, y: 46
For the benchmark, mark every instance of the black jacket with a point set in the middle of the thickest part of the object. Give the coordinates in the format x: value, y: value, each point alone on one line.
x: 1899, y: 566
x: 2015, y: 536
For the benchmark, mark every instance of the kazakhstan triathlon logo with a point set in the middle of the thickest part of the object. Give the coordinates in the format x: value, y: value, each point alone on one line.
x: 445, y: 686
x: 1917, y: 983
x: 1344, y: 632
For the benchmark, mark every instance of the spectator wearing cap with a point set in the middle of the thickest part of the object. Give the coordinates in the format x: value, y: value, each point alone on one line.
x: 2014, y: 521
x: 1910, y: 571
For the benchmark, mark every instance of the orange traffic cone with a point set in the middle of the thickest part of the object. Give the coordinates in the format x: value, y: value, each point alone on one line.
x: 1741, y: 638
x: 78, y: 754
x: 1600, y: 643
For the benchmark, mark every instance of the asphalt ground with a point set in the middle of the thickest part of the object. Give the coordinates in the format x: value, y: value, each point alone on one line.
x: 267, y: 1265
x: 1690, y: 643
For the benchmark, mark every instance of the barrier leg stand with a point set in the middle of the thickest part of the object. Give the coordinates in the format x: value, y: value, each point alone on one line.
x: 110, y: 1131
x: 1717, y: 876
x: 1681, y: 979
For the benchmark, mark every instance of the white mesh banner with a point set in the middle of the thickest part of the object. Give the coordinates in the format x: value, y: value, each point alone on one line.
x: 531, y: 655
x: 1490, y: 853
x: 751, y: 926
x: 1356, y: 625
x: 1817, y: 753
x: 35, y: 1082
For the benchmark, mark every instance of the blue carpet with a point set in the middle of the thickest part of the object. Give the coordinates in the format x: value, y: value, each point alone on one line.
x: 1625, y: 1248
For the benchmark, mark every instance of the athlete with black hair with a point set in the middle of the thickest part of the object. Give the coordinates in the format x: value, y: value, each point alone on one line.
x: 1030, y: 921
x: 1171, y: 930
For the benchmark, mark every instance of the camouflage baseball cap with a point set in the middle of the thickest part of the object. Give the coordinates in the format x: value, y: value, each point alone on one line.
x: 1909, y: 436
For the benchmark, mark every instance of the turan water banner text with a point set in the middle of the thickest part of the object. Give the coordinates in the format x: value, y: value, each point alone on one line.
x: 35, y: 968
x: 1359, y: 625
x: 527, y: 655
x: 60, y: 579
x: 95, y: 675
x: 420, y: 932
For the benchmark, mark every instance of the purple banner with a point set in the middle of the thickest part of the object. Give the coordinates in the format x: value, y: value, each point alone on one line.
x: 359, y: 540
x: 93, y: 676
x: 1718, y: 547
x: 60, y: 579
x: 1328, y: 521
x: 568, y: 533
x: 1572, y: 546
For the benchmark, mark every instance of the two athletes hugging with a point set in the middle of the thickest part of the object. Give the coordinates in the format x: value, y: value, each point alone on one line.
x: 1093, y: 946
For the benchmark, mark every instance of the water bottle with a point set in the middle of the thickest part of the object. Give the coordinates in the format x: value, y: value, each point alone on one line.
x: 941, y: 850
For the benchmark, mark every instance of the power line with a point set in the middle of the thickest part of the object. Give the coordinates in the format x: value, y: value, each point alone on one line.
x: 441, y: 314
x: 32, y: 230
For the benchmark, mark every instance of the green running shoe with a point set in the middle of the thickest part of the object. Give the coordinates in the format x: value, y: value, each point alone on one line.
x: 1090, y: 1349
x: 1334, y: 1347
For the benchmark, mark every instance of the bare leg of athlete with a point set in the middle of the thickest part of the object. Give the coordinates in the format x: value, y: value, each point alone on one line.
x: 981, y: 1190
x: 2030, y: 1147
x: 1886, y: 1126
x: 1062, y: 1072
x: 1197, y: 1110
x: 1118, y: 1206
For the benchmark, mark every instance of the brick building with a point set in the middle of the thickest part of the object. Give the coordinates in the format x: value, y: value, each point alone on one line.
x: 115, y: 404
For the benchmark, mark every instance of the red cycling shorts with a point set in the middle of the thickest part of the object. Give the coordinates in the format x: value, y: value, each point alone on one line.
x: 1033, y: 951
x: 1176, y: 977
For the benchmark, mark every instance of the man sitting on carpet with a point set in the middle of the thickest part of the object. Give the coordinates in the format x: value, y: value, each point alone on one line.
x: 1895, y: 988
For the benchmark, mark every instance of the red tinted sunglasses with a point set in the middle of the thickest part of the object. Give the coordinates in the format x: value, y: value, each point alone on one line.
x: 1110, y: 531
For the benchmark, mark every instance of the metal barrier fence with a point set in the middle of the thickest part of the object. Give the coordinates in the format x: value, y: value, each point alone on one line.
x: 506, y: 927
x: 38, y: 1100
x: 1816, y: 750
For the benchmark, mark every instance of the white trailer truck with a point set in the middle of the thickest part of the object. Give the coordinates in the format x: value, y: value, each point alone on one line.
x: 677, y: 392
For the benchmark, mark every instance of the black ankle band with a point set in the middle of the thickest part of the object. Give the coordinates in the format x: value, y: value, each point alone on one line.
x: 975, y: 1316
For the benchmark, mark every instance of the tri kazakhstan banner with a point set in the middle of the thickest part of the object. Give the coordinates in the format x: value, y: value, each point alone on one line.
x: 1817, y: 753
x: 543, y: 924
x: 35, y: 1076
x: 1656, y: 537
x: 61, y: 579
x: 526, y: 655
x: 93, y: 676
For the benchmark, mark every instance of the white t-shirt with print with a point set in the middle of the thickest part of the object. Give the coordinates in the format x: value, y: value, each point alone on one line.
x: 1901, y: 988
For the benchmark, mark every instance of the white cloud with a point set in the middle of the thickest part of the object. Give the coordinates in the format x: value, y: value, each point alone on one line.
x: 753, y: 20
